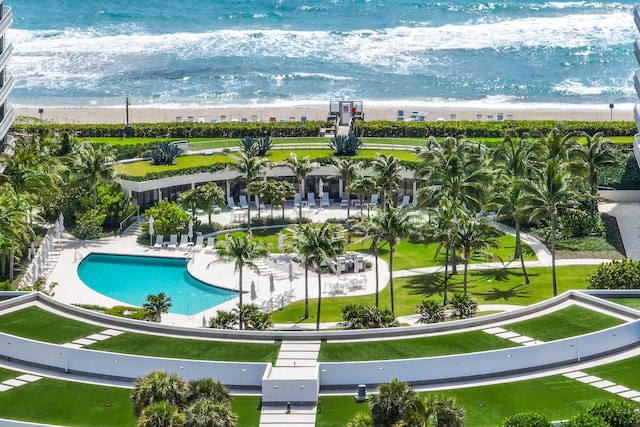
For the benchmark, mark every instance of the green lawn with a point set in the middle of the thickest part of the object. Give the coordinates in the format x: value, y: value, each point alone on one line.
x: 624, y: 372
x: 556, y: 397
x: 629, y: 302
x: 248, y: 410
x: 41, y: 325
x: 569, y: 322
x: 437, y: 345
x: 497, y: 286
x: 153, y: 345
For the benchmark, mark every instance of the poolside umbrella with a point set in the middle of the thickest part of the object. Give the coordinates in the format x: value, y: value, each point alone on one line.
x: 61, y: 221
x: 151, y: 229
x: 254, y: 295
x: 280, y: 241
x: 290, y: 275
x: 272, y: 288
x: 190, y: 233
x: 32, y: 252
x: 320, y: 191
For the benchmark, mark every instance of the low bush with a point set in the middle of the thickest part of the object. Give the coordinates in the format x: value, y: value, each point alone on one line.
x: 526, y: 419
x: 616, y: 413
x: 359, y: 316
x: 622, y: 274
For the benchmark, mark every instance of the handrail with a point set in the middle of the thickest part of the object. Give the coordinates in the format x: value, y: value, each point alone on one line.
x: 127, y: 218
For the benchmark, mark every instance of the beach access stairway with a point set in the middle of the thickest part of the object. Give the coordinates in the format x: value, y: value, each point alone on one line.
x: 290, y: 388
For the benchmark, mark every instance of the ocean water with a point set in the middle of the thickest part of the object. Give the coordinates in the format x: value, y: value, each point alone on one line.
x: 264, y: 52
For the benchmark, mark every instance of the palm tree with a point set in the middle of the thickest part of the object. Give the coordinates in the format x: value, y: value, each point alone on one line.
x: 474, y: 236
x: 242, y: 251
x: 387, y: 169
x: 391, y: 403
x: 209, y: 413
x: 363, y: 187
x: 393, y: 224
x: 156, y: 306
x: 156, y: 387
x: 208, y: 388
x: 210, y: 194
x: 14, y: 221
x: 370, y: 229
x: 549, y: 194
x: 161, y: 414
x: 190, y: 200
x: 94, y: 164
x: 317, y: 245
x: 301, y: 168
x: 434, y: 411
x: 597, y: 152
x: 347, y: 171
x: 250, y: 167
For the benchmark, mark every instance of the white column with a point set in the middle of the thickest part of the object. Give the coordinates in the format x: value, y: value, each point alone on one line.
x: 340, y: 187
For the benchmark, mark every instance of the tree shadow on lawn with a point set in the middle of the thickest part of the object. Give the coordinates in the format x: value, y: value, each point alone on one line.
x: 432, y: 285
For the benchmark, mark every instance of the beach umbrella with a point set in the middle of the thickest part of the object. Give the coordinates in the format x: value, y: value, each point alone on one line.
x: 151, y: 229
x: 290, y: 275
x: 190, y: 233
x: 254, y: 295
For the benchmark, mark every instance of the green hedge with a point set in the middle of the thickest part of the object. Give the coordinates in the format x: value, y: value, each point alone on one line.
x: 625, y: 175
x: 182, y: 130
x: 472, y: 129
x: 175, y: 172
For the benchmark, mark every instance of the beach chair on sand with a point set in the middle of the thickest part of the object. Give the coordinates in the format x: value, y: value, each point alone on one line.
x: 325, y: 200
x: 243, y: 202
x: 159, y: 241
x: 197, y: 246
x: 311, y: 200
x: 232, y: 204
x: 173, y: 241
x: 211, y: 245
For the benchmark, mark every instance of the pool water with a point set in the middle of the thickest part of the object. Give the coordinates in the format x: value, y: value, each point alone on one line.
x: 131, y: 279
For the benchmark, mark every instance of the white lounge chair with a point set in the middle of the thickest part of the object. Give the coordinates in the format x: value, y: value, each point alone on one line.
x: 259, y: 206
x: 184, y: 241
x: 232, y: 203
x: 325, y: 200
x: 159, y: 241
x: 374, y: 200
x: 296, y: 200
x: 243, y: 202
x: 404, y: 202
x: 211, y: 245
x: 197, y: 246
x: 344, y: 203
x: 173, y: 241
x: 311, y: 200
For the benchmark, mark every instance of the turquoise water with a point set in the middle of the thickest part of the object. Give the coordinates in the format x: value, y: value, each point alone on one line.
x: 263, y: 52
x: 131, y: 278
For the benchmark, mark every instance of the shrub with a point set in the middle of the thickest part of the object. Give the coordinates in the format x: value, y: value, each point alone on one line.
x: 258, y: 146
x: 584, y: 419
x: 89, y: 225
x: 431, y: 311
x: 581, y: 224
x: 345, y: 145
x: 359, y: 316
x: 164, y: 153
x: 169, y: 218
x: 622, y: 274
x: 6, y: 286
x: 136, y: 313
x: 391, y: 403
x: 252, y: 317
x: 616, y: 413
x: 526, y: 419
x: 463, y: 306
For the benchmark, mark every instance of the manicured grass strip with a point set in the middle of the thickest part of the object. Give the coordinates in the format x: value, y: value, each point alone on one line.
x: 6, y: 374
x: 68, y: 403
x: 568, y: 322
x: 555, y: 397
x: 158, y: 346
x: 496, y: 286
x: 624, y: 372
x: 248, y: 410
x: 41, y: 325
x: 628, y: 302
x: 439, y: 345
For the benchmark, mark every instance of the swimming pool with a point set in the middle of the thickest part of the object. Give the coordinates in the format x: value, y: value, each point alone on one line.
x: 130, y: 279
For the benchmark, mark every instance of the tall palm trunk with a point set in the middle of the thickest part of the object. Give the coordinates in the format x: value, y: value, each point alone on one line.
x: 11, y: 258
x: 554, y: 225
x: 249, y: 212
x: 348, y: 203
x: 519, y: 252
x: 466, y: 270
x: 240, y: 316
x: 300, y: 202
x: 319, y: 300
x: 375, y: 251
x: 454, y: 261
x: 446, y: 275
x: 391, y: 251
x: 306, y: 291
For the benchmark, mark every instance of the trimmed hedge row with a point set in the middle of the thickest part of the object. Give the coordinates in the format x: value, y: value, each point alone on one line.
x: 472, y: 129
x: 182, y: 130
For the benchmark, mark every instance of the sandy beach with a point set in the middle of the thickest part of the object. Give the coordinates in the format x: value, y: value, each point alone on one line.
x: 116, y: 115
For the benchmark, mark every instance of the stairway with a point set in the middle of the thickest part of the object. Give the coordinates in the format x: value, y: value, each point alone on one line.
x: 295, y: 375
x: 133, y: 230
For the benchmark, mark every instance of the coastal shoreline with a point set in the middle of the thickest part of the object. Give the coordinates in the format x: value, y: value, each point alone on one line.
x: 117, y: 115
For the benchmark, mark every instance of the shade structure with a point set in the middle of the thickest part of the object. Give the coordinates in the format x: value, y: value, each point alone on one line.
x: 254, y: 295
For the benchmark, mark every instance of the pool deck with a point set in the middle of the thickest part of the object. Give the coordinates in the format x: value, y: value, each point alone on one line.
x: 205, y: 267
